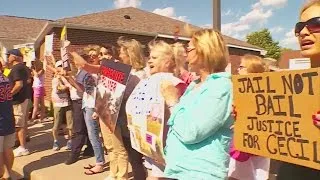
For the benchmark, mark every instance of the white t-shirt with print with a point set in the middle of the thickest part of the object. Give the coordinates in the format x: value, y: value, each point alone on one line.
x: 90, y: 88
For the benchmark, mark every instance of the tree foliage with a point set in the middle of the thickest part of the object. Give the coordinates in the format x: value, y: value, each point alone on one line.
x: 264, y: 40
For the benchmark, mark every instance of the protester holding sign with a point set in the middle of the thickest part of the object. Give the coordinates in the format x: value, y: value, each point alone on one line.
x: 38, y: 90
x: 131, y: 54
x: 88, y: 107
x: 146, y: 110
x: 244, y: 166
x: 61, y: 107
x: 199, y: 127
x: 308, y: 34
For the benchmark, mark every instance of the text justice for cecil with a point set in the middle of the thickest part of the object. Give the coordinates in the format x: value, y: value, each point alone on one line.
x: 284, y: 139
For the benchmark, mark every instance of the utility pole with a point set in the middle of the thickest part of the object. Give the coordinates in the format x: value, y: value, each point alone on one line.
x: 216, y: 14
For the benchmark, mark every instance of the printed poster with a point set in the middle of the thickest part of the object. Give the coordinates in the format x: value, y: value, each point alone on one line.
x: 146, y: 116
x: 110, y: 90
x: 274, y: 115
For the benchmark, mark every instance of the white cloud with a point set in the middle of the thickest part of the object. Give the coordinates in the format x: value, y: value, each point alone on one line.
x: 256, y: 15
x: 273, y: 3
x: 169, y: 12
x: 256, y: 18
x: 234, y: 28
x: 127, y: 3
x: 276, y: 29
x: 290, y: 40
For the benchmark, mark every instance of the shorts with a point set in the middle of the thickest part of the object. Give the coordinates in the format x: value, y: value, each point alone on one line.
x: 157, y: 170
x: 59, y: 113
x: 39, y: 92
x: 7, y: 142
x: 20, y: 113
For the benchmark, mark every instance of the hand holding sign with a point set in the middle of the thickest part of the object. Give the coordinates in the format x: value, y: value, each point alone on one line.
x: 170, y: 93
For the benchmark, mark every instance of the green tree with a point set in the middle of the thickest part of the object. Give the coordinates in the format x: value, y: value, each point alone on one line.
x: 264, y: 40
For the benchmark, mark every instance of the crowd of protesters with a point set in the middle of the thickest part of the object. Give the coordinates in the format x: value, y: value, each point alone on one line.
x: 199, y: 128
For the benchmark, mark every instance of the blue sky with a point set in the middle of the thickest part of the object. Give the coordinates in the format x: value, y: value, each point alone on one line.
x: 239, y: 17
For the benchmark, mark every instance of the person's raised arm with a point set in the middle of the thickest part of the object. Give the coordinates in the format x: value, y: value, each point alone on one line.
x: 81, y: 63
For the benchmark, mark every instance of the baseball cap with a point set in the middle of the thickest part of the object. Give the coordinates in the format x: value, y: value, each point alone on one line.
x: 15, y: 52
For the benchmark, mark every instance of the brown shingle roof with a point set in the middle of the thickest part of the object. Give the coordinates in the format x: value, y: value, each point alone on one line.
x: 140, y: 21
x: 20, y: 27
x: 22, y: 30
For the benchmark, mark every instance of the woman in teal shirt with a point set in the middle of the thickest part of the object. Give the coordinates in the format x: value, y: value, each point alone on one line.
x: 199, y: 127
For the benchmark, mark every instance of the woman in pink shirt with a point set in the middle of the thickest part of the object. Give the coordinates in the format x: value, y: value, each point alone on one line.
x: 38, y: 90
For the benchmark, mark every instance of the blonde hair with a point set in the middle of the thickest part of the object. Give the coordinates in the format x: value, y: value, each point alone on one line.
x: 133, y: 49
x: 211, y: 48
x: 91, y: 47
x: 179, y: 52
x: 254, y: 64
x: 308, y: 4
x: 168, y: 51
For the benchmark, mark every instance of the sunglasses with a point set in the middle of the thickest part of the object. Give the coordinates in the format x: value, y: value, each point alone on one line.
x: 313, y: 25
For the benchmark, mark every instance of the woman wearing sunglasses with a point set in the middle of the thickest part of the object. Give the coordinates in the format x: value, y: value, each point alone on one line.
x: 199, y: 126
x: 308, y: 34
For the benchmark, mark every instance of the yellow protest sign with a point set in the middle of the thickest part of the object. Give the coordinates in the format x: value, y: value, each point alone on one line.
x: 274, y: 115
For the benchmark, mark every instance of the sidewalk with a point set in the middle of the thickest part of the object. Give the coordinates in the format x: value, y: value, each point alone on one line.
x: 45, y: 164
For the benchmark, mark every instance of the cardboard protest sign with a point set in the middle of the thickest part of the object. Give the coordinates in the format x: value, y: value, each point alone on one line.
x: 146, y: 116
x: 110, y: 90
x: 274, y: 115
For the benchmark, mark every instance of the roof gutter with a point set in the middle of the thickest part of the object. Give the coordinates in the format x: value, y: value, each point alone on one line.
x: 174, y: 37
x: 48, y: 27
x: 262, y: 52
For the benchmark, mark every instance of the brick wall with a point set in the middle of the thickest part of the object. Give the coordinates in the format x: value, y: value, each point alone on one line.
x: 235, y: 57
x: 81, y: 38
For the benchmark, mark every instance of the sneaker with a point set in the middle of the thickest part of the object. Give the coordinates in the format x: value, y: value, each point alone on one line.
x: 20, y: 151
x: 56, y: 146
x: 68, y: 147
